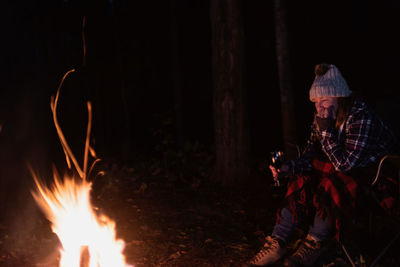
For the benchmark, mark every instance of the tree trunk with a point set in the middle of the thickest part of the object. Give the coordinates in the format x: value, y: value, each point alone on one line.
x: 231, y: 136
x: 285, y: 79
x: 176, y: 76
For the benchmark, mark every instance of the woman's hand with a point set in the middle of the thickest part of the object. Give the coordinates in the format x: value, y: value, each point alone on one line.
x: 275, y: 172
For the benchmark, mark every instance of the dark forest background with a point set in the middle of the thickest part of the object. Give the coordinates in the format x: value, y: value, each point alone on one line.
x: 148, y: 73
x: 139, y: 52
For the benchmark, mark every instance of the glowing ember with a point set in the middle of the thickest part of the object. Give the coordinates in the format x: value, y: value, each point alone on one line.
x: 88, y: 239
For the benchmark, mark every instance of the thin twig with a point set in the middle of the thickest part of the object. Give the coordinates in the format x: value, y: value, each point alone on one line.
x: 87, y: 145
x: 67, y: 150
x: 69, y: 155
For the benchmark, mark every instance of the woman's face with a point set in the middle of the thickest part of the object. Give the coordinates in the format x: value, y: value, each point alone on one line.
x: 326, y: 106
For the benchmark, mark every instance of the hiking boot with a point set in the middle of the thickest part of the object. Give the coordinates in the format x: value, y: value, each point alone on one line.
x: 306, y: 255
x: 272, y: 251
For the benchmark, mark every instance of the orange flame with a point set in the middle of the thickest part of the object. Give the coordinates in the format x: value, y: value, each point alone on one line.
x: 87, y: 239
x: 67, y: 206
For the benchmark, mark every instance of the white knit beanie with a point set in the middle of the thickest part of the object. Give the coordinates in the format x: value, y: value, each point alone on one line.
x: 328, y: 84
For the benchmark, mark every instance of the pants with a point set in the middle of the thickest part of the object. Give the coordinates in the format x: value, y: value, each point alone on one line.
x: 320, y: 230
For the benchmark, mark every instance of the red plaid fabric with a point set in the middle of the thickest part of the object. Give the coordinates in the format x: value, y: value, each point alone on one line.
x: 332, y: 193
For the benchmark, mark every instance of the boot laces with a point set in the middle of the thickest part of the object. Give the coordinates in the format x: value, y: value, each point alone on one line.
x: 307, y: 249
x: 270, y: 244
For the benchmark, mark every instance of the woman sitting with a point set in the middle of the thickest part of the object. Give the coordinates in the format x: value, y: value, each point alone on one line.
x: 347, y: 141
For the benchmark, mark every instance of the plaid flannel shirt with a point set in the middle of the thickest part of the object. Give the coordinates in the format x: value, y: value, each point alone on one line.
x: 362, y: 140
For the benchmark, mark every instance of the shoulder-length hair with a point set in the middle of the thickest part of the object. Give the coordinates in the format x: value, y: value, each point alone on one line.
x: 344, y: 106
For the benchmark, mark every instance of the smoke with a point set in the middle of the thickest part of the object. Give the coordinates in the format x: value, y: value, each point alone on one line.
x: 25, y: 138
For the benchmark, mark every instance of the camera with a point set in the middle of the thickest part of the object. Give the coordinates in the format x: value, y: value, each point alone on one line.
x: 277, y: 158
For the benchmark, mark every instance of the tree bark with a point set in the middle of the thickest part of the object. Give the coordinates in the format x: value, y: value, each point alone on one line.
x: 176, y: 76
x: 231, y: 136
x: 285, y: 79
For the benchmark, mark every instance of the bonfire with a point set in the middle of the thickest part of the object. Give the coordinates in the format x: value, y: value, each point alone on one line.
x: 87, y: 239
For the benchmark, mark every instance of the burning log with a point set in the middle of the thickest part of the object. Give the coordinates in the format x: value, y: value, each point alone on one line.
x: 85, y: 257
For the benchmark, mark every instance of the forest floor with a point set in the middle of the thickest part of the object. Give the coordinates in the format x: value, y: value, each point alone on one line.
x: 176, y: 217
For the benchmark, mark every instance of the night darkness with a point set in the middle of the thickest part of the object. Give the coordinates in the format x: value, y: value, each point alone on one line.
x: 130, y: 77
x: 142, y: 55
